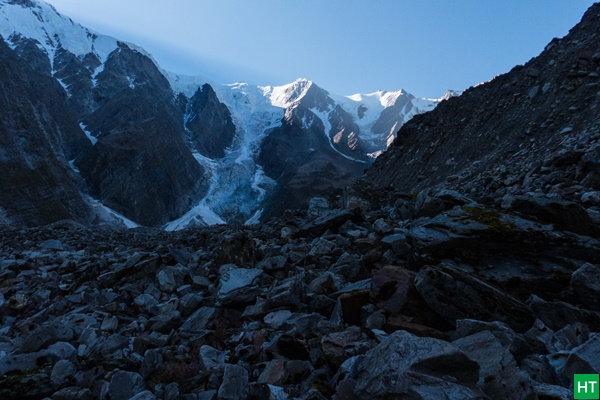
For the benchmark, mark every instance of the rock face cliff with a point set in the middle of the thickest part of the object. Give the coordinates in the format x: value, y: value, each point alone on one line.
x: 208, y: 123
x: 38, y: 137
x: 140, y: 164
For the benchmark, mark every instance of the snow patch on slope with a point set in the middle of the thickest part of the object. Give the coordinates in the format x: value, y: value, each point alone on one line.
x: 88, y: 133
x: 324, y: 117
x: 108, y: 215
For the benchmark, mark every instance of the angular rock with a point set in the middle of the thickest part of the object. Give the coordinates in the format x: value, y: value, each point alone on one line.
x: 558, y: 314
x: 235, y: 383
x: 328, y: 222
x: 109, y: 323
x: 147, y: 303
x: 62, y: 351
x: 499, y: 374
x: 322, y: 247
x: 286, y: 294
x: 166, y: 322
x: 584, y: 359
x: 275, y: 263
x: 199, y: 321
x: 455, y: 294
x: 153, y: 360
x: 397, y: 243
x: 382, y: 227
x: 62, y: 372
x: 348, y: 265
x: 324, y: 284
x: 73, y: 393
x: 303, y: 324
x: 340, y: 346
x: 125, y: 384
x: 514, y: 342
x: 145, y: 395
x: 259, y: 309
x: 211, y: 358
x: 539, y: 369
x: 274, y: 373
x: 239, y: 285
x: 586, y: 285
x: 189, y: 303
x: 276, y: 319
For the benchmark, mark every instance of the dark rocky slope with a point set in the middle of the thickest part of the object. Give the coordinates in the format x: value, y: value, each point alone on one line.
x: 534, y: 129
x: 471, y: 303
x: 38, y: 137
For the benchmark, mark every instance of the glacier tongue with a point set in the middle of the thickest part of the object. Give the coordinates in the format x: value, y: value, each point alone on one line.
x: 237, y: 184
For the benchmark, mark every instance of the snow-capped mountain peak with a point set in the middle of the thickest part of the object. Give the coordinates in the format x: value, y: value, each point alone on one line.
x: 382, y: 97
x: 40, y: 21
x: 245, y: 149
x: 286, y: 95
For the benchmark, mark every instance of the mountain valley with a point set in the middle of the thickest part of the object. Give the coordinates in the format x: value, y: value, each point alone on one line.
x: 166, y: 237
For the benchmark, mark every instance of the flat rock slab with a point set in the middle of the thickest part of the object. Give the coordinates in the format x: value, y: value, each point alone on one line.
x: 239, y: 285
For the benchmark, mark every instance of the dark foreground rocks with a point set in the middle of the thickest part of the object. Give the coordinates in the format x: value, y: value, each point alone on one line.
x: 466, y: 302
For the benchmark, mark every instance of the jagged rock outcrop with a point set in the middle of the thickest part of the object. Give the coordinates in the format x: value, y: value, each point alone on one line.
x: 208, y: 123
x: 304, y: 164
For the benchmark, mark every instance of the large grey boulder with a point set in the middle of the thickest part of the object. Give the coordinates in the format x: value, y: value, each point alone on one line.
x: 499, y: 375
x: 558, y: 314
x: 563, y: 214
x: 584, y: 359
x: 409, y: 367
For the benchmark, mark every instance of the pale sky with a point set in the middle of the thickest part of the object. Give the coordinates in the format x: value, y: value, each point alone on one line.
x: 345, y: 46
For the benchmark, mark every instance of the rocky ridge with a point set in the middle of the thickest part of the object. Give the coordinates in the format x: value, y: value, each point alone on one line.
x: 531, y: 131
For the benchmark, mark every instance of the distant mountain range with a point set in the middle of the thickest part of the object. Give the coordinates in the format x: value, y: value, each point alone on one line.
x: 94, y: 130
